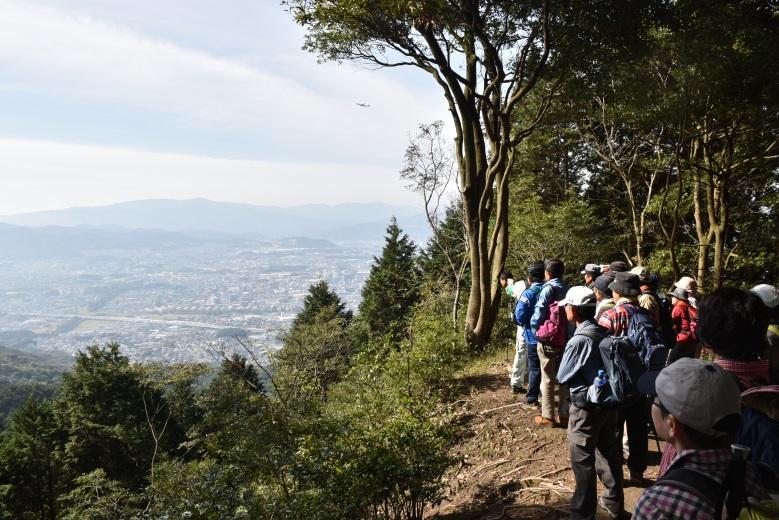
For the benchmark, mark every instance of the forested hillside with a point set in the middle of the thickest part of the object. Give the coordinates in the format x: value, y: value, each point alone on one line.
x: 25, y: 375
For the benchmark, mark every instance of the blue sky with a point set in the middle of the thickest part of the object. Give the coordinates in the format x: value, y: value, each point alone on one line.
x: 106, y: 101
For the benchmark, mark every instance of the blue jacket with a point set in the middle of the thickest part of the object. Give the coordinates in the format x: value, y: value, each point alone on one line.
x: 553, y: 290
x: 524, y: 310
x: 581, y: 358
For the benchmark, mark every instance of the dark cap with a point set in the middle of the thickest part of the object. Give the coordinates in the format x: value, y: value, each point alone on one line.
x: 618, y: 266
x: 626, y: 284
x: 602, y: 284
x: 679, y: 294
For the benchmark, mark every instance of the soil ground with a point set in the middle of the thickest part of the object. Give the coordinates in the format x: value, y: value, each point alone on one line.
x: 510, y: 467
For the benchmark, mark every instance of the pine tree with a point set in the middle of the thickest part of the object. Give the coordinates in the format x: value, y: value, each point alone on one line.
x: 32, y: 463
x: 320, y: 299
x: 392, y: 287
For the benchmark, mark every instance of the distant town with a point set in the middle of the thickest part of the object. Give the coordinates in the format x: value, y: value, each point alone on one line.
x: 170, y: 304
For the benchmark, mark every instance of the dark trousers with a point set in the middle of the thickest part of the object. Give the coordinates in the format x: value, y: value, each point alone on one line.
x: 635, y: 417
x: 533, y: 374
x: 596, y: 450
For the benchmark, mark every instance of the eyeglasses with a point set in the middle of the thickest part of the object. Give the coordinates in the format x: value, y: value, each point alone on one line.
x: 656, y: 402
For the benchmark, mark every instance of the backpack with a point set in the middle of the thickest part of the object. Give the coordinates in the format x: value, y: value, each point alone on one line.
x: 731, y: 495
x: 554, y: 331
x: 646, y: 340
x: 759, y: 425
x: 623, y: 367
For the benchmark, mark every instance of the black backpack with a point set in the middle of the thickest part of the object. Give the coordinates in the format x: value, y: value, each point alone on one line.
x: 731, y: 495
x: 623, y: 367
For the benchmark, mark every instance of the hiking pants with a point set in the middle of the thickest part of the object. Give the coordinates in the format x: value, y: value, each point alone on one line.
x: 520, y: 359
x: 596, y: 449
x: 635, y: 418
x: 549, y: 366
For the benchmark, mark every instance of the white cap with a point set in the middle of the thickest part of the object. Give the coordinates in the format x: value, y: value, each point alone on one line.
x: 641, y: 272
x: 578, y: 296
x: 768, y: 293
x: 687, y: 283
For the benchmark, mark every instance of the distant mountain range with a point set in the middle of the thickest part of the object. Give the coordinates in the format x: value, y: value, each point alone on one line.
x: 206, y: 219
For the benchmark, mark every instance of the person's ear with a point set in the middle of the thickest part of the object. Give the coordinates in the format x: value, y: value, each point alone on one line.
x: 673, y: 426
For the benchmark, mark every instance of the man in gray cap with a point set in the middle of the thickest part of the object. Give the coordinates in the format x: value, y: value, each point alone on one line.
x: 695, y: 407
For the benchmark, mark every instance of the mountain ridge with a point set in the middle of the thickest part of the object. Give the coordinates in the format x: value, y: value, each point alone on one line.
x: 352, y: 221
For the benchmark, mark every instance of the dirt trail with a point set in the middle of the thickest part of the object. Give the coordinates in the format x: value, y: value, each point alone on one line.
x: 511, y: 469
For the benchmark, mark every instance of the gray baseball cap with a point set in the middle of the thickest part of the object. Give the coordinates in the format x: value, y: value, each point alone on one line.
x: 698, y: 393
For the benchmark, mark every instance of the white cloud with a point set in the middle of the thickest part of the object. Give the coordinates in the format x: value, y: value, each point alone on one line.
x: 39, y: 175
x: 48, y: 50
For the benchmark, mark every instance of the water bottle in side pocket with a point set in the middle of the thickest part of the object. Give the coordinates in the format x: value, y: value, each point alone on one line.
x: 598, y: 391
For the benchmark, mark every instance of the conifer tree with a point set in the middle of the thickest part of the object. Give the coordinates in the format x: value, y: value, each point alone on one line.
x: 392, y: 287
x: 319, y: 299
x: 32, y: 463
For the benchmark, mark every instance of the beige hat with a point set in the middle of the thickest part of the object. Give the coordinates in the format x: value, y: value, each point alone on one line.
x: 641, y: 272
x: 687, y: 283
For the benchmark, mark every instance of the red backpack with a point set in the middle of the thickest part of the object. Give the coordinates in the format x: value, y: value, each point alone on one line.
x: 554, y: 331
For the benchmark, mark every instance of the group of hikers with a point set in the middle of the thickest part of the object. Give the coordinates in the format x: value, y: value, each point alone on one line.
x: 623, y: 358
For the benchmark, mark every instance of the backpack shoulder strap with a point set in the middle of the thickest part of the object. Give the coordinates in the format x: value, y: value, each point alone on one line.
x: 695, y: 482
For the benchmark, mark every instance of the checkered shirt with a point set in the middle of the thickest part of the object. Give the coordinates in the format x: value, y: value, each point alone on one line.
x: 617, y: 319
x: 664, y: 501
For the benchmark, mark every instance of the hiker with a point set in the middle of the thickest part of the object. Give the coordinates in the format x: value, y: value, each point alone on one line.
x: 684, y: 318
x: 689, y: 284
x: 526, y: 356
x: 695, y: 408
x: 625, y: 290
x: 770, y: 296
x: 549, y: 354
x: 590, y: 272
x: 732, y: 324
x: 513, y: 290
x: 647, y: 299
x: 593, y: 431
x: 602, y: 295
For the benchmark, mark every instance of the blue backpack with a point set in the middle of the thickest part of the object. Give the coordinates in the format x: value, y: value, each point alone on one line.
x: 626, y: 357
x: 646, y: 339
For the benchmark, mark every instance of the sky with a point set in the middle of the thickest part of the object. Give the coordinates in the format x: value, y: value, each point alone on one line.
x: 109, y: 101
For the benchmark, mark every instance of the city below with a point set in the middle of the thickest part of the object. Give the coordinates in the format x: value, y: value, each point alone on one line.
x: 170, y: 304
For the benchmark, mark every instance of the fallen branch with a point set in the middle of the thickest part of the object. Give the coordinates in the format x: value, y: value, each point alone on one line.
x: 539, y: 447
x: 514, y: 471
x: 525, y: 465
x: 554, y: 471
x: 489, y: 465
x: 514, y: 405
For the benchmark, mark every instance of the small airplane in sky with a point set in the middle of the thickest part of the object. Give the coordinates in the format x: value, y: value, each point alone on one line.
x: 363, y: 105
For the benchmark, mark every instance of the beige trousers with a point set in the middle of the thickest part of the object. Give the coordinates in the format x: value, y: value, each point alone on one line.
x: 549, y: 366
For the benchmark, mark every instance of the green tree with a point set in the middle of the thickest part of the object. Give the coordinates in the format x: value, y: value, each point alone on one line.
x: 32, y: 464
x: 392, y: 287
x: 96, y: 497
x: 319, y: 299
x: 488, y: 57
x: 107, y: 409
